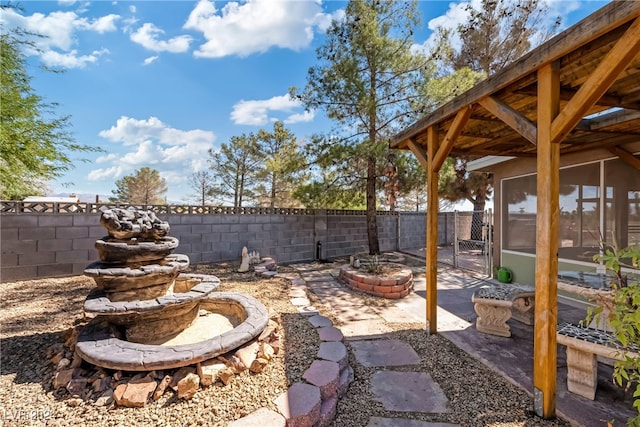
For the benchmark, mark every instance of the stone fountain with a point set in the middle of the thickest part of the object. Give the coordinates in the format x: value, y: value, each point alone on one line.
x: 146, y: 312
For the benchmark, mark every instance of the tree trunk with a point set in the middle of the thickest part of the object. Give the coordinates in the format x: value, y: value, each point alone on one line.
x: 372, y: 225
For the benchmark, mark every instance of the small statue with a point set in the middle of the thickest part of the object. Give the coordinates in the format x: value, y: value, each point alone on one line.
x: 244, y: 265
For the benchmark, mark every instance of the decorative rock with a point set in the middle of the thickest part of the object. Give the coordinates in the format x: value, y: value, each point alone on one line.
x: 188, y: 386
x: 105, y: 399
x: 70, y: 337
x: 234, y: 363
x: 208, y: 371
x: 276, y: 345
x: 260, y: 418
x: 77, y: 360
x: 346, y: 377
x: 133, y: 223
x: 328, y: 411
x: 300, y: 301
x: 266, y: 351
x: 138, y: 391
x: 118, y: 392
x: 334, y: 352
x: 226, y: 375
x: 77, y: 386
x: 258, y: 365
x: 180, y: 374
x: 63, y: 363
x: 248, y: 353
x: 308, y: 310
x: 325, y: 375
x: 300, y: 405
x: 75, y: 402
x: 320, y: 321
x: 62, y: 378
x: 162, y: 386
x: 101, y: 384
x: 329, y: 333
x: 57, y: 357
x: 55, y: 350
x: 268, y: 274
x: 269, y: 332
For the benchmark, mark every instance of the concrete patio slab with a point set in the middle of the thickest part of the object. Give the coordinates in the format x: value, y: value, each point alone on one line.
x: 364, y: 330
x: 408, y: 392
x: 384, y: 353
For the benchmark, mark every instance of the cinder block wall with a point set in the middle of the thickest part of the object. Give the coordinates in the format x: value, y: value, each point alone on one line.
x: 48, y: 244
x: 213, y: 238
x: 36, y: 245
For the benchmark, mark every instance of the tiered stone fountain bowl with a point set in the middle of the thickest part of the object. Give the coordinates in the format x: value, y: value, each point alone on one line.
x: 148, y: 314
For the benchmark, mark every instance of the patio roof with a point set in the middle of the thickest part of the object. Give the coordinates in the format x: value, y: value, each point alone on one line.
x: 599, y: 103
x: 576, y: 92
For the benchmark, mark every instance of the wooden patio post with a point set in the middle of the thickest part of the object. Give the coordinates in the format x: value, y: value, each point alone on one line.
x: 548, y: 184
x: 432, y: 231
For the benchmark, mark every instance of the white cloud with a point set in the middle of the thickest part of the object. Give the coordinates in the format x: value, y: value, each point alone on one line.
x: 147, y: 37
x: 107, y: 158
x: 113, y: 172
x: 57, y: 47
x: 104, y: 24
x: 153, y: 143
x: 70, y: 59
x: 255, y: 26
x: 150, y: 60
x: 304, y: 117
x: 257, y: 113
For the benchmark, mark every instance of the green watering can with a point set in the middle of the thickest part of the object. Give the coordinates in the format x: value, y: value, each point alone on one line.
x: 504, y: 275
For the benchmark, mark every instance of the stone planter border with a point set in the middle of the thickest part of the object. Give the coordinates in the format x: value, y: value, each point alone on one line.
x: 394, y: 286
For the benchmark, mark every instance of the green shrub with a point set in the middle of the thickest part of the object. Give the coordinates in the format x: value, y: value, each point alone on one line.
x: 624, y: 317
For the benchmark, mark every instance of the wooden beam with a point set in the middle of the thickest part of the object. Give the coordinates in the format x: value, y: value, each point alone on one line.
x: 511, y: 117
x: 613, y: 118
x: 604, y: 20
x: 450, y: 138
x: 432, y: 231
x: 419, y: 152
x: 626, y: 156
x: 548, y: 190
x: 566, y: 94
x: 616, y: 60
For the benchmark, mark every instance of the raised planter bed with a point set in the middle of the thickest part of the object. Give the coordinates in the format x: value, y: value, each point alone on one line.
x: 394, y: 285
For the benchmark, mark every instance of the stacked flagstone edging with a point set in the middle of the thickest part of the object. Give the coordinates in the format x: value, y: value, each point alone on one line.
x: 312, y: 401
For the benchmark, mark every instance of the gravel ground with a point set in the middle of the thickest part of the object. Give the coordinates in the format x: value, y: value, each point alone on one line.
x: 34, y: 314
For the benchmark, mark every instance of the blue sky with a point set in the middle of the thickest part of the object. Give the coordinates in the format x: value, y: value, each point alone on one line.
x: 159, y: 83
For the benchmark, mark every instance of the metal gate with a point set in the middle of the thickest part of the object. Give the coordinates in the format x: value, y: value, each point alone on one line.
x: 473, y: 241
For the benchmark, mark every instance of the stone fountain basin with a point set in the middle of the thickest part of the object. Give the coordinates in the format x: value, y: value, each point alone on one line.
x: 99, y: 344
x: 150, y: 319
x: 119, y: 251
x: 143, y: 282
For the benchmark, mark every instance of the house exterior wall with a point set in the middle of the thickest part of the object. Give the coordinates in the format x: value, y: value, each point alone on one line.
x: 523, y: 265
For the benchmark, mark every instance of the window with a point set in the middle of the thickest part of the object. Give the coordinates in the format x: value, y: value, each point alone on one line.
x: 587, y: 214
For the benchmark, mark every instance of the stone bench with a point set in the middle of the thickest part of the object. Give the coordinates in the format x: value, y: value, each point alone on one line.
x: 496, y: 304
x: 584, y: 345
